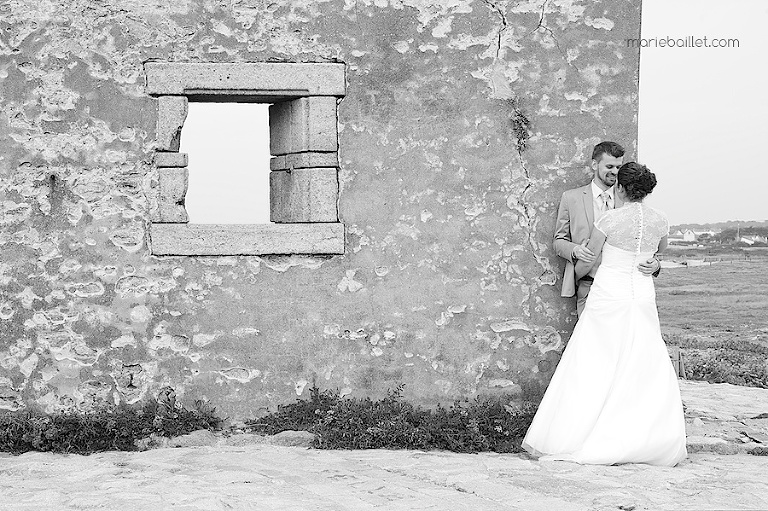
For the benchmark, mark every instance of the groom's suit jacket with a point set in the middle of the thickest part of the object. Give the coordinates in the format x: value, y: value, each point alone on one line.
x: 575, y: 220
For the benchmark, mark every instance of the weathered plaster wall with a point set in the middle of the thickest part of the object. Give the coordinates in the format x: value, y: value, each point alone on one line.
x: 463, y: 123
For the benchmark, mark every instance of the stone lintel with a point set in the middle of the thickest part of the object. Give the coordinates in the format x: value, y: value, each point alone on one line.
x: 304, y: 161
x: 253, y: 239
x: 254, y: 78
x: 304, y: 195
x: 163, y: 159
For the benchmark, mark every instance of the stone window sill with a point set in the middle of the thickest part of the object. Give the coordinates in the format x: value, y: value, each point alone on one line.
x: 246, y: 239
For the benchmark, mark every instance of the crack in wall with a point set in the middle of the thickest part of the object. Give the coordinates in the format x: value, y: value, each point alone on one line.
x: 541, y: 20
x: 560, y: 50
x: 544, y: 27
x: 494, y: 7
x: 521, y: 128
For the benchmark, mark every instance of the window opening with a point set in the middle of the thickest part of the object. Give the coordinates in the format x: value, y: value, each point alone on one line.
x: 228, y: 150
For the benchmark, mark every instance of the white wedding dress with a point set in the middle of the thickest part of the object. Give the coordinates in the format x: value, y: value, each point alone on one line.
x: 614, y: 397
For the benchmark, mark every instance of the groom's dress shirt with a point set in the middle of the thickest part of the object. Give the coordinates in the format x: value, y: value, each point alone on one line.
x: 598, y: 201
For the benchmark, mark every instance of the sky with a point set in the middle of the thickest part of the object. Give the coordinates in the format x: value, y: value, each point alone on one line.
x: 236, y: 151
x: 703, y: 118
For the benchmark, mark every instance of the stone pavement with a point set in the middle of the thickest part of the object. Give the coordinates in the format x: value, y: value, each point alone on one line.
x: 242, y: 472
x: 724, y: 418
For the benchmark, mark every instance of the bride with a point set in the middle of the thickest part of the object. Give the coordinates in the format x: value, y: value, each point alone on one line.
x: 614, y: 397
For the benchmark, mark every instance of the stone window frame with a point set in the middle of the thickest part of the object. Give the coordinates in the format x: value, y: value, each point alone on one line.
x: 303, y: 128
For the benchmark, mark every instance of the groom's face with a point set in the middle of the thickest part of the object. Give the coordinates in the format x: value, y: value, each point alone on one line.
x: 606, y: 167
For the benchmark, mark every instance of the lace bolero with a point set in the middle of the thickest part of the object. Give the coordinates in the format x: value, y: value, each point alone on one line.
x: 634, y: 227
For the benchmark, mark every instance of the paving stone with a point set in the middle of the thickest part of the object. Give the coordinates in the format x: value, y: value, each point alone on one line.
x: 712, y: 444
x: 255, y: 239
x: 252, y: 475
x: 304, y: 195
x: 705, y: 440
x: 194, y: 439
x: 153, y: 441
x: 270, y: 477
x: 252, y: 78
x: 292, y: 439
x: 757, y: 436
x: 245, y: 439
x: 723, y: 401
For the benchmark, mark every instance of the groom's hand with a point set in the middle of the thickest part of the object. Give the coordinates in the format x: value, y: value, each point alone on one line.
x: 649, y: 267
x: 581, y: 252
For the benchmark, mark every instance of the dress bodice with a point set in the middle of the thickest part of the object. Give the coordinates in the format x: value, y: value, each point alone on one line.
x: 634, y: 227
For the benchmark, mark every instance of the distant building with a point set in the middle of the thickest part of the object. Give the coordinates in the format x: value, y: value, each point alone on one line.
x: 691, y: 235
x: 752, y: 239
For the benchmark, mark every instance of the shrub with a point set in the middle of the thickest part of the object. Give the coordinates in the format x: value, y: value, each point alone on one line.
x: 727, y: 366
x: 734, y: 361
x: 688, y: 341
x: 485, y: 424
x: 299, y: 416
x: 107, y: 428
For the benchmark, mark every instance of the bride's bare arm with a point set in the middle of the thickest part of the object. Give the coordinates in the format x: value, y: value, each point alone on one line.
x: 663, y: 244
x: 596, y: 242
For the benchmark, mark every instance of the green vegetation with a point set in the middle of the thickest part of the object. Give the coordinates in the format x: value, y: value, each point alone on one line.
x: 722, y: 301
x: 716, y: 315
x: 485, y: 424
x: 727, y: 361
x: 109, y: 428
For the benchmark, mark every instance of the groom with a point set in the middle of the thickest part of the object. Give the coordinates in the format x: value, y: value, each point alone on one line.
x: 579, y: 208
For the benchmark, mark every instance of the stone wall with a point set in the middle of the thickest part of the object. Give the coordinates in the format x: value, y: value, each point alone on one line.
x: 462, y: 123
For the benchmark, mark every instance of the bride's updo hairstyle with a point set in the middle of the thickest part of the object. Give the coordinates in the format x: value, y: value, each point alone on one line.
x: 637, y: 180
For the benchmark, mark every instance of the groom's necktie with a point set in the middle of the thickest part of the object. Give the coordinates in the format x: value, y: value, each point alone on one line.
x: 607, y: 201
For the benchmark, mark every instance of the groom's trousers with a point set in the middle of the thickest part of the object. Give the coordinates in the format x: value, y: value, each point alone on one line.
x: 582, y: 290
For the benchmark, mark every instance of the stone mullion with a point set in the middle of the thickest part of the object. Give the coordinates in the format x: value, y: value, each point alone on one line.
x: 173, y: 184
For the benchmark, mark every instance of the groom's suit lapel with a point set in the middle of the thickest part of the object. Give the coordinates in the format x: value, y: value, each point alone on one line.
x: 588, y: 207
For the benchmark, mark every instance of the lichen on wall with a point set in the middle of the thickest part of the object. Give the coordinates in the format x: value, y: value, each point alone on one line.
x: 463, y: 123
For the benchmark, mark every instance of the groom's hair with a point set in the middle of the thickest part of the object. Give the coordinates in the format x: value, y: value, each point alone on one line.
x: 606, y: 147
